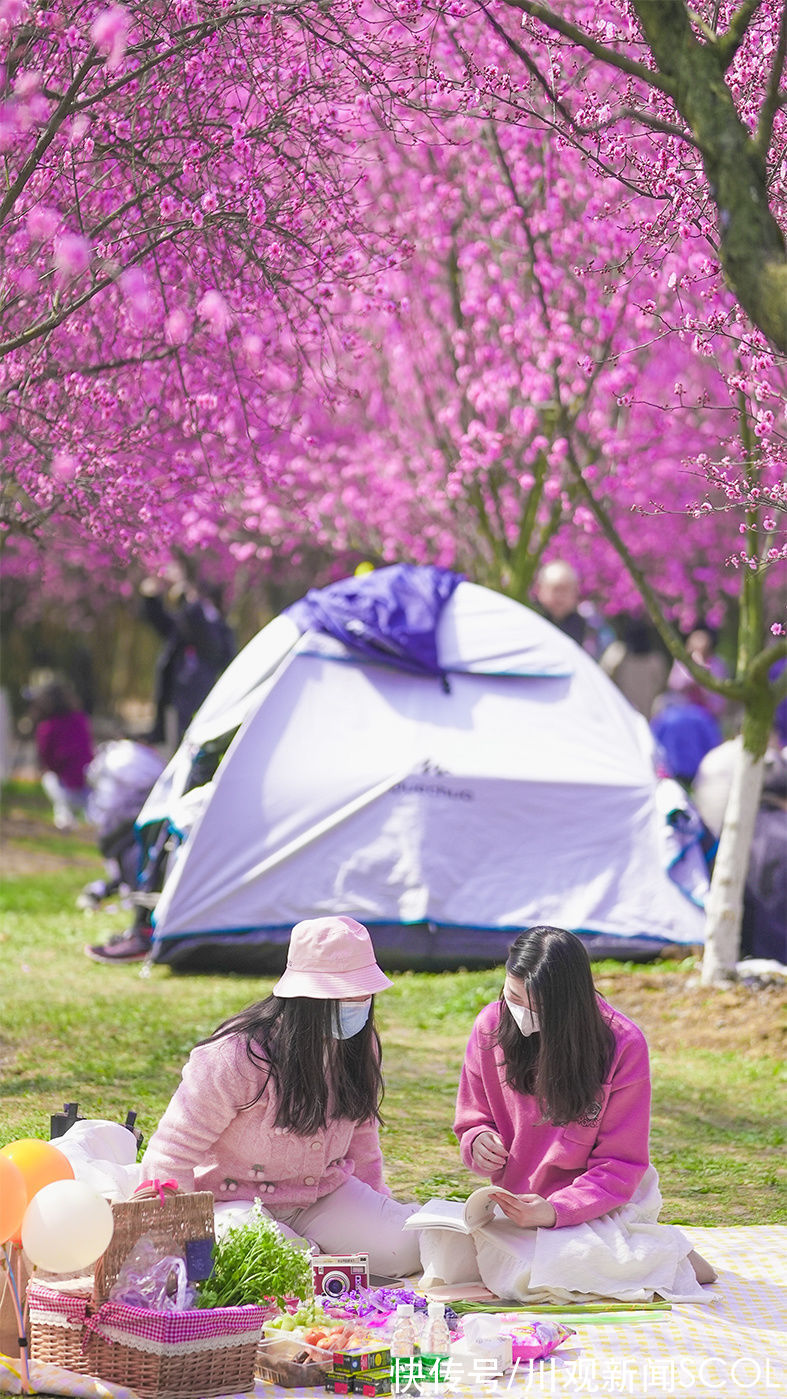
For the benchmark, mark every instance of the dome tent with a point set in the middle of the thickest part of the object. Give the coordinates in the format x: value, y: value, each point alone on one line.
x: 427, y: 755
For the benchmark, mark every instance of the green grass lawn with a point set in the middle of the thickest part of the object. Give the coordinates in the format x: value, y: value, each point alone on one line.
x: 112, y: 1040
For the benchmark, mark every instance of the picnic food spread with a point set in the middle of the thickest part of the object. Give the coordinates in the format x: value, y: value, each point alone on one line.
x: 385, y: 1340
x: 174, y: 1314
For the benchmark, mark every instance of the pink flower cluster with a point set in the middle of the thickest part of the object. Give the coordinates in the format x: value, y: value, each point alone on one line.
x: 369, y: 284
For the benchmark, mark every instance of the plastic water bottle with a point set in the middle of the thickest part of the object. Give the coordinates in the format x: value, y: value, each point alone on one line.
x: 403, y: 1337
x: 436, y: 1339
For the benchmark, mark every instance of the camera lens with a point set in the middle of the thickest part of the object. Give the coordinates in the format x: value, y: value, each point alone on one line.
x: 335, y: 1284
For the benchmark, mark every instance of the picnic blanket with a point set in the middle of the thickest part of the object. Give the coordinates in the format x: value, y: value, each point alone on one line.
x: 734, y: 1349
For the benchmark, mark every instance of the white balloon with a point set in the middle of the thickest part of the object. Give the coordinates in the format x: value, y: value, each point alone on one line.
x: 66, y: 1227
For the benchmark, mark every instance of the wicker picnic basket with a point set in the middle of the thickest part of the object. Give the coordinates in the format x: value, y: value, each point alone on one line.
x: 160, y: 1355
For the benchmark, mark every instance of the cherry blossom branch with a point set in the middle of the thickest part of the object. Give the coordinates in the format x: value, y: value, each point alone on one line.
x: 665, y: 128
x: 572, y: 129
x: 57, y: 318
x: 752, y: 247
x: 583, y: 40
x: 774, y: 98
x: 527, y: 61
x: 728, y: 43
x: 187, y: 37
x: 733, y: 689
x: 63, y: 110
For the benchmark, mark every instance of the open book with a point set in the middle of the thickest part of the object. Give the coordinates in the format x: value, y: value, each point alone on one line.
x: 478, y: 1209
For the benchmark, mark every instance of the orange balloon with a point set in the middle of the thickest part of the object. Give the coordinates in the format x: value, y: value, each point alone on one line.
x: 13, y: 1198
x: 39, y: 1164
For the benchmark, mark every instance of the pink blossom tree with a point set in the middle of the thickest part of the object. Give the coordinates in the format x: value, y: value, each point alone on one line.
x: 177, y: 212
x: 703, y: 412
x: 701, y: 88
x: 685, y: 108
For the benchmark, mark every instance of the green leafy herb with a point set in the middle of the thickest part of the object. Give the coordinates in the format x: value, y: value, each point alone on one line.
x: 254, y: 1262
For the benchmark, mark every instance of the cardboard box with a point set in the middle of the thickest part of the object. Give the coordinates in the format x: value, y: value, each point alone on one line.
x: 349, y: 1362
x: 370, y: 1384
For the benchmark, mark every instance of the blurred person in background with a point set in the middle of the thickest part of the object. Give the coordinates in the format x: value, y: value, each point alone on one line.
x: 764, y: 925
x: 198, y: 644
x: 558, y: 598
x: 685, y: 732
x: 701, y: 646
x: 119, y: 779
x: 64, y: 746
x: 636, y: 663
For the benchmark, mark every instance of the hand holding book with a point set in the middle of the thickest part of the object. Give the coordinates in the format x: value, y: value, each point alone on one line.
x: 528, y: 1211
x: 480, y: 1209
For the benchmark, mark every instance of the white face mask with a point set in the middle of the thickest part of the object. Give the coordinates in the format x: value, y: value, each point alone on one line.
x: 349, y: 1018
x: 524, y: 1017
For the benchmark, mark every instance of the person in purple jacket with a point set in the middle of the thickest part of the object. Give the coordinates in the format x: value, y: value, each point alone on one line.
x: 554, y: 1106
x: 281, y: 1104
x: 64, y: 747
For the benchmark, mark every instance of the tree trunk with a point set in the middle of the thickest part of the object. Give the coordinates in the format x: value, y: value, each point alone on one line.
x: 752, y: 249
x: 724, y: 908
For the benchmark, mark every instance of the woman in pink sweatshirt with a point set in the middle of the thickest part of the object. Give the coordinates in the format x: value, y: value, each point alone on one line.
x: 554, y: 1107
x: 281, y: 1105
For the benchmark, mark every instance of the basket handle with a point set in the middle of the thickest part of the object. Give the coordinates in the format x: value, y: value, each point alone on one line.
x: 154, y: 1189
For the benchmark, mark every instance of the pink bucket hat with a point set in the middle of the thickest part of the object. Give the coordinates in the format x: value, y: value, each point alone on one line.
x: 329, y: 959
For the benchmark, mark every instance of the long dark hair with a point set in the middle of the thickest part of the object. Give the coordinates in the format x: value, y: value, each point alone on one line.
x: 290, y: 1040
x: 566, y: 1061
x: 53, y: 700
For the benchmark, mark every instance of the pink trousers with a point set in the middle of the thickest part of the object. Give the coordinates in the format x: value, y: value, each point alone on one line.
x: 353, y: 1219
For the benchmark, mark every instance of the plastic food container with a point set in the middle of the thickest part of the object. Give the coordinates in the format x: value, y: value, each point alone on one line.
x: 279, y: 1361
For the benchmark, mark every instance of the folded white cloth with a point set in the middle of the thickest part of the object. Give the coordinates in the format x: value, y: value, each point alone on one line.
x: 103, y: 1155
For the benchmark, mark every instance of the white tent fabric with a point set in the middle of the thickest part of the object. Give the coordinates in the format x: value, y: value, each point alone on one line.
x: 523, y: 791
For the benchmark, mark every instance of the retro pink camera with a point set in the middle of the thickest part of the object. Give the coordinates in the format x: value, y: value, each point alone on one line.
x: 336, y: 1274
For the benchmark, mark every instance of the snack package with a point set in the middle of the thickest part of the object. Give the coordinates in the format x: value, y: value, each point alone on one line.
x: 533, y: 1340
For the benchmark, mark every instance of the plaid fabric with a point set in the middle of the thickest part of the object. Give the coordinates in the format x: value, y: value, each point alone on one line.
x: 53, y: 1379
x: 176, y: 1328
x: 147, y: 1329
x: 55, y: 1308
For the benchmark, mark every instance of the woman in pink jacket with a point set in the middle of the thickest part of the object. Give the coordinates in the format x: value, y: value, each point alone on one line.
x: 281, y: 1105
x: 554, y: 1107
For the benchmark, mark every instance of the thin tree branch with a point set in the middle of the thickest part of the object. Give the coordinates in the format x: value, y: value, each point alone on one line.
x: 550, y: 20
x: 35, y: 332
x: 728, y: 43
x: 707, y: 30
x: 531, y: 67
x: 774, y: 98
x: 47, y: 136
x: 733, y: 689
x: 666, y: 128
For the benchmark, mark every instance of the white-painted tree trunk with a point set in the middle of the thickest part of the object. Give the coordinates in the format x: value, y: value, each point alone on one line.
x: 724, y: 908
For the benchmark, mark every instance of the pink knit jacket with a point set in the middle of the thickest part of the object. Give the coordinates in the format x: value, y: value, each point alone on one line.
x: 584, y: 1170
x: 206, y: 1142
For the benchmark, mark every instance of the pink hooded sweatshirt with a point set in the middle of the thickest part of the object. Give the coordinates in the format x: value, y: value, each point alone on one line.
x: 585, y: 1170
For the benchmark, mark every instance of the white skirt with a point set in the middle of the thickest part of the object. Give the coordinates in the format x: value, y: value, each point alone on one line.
x: 626, y: 1255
